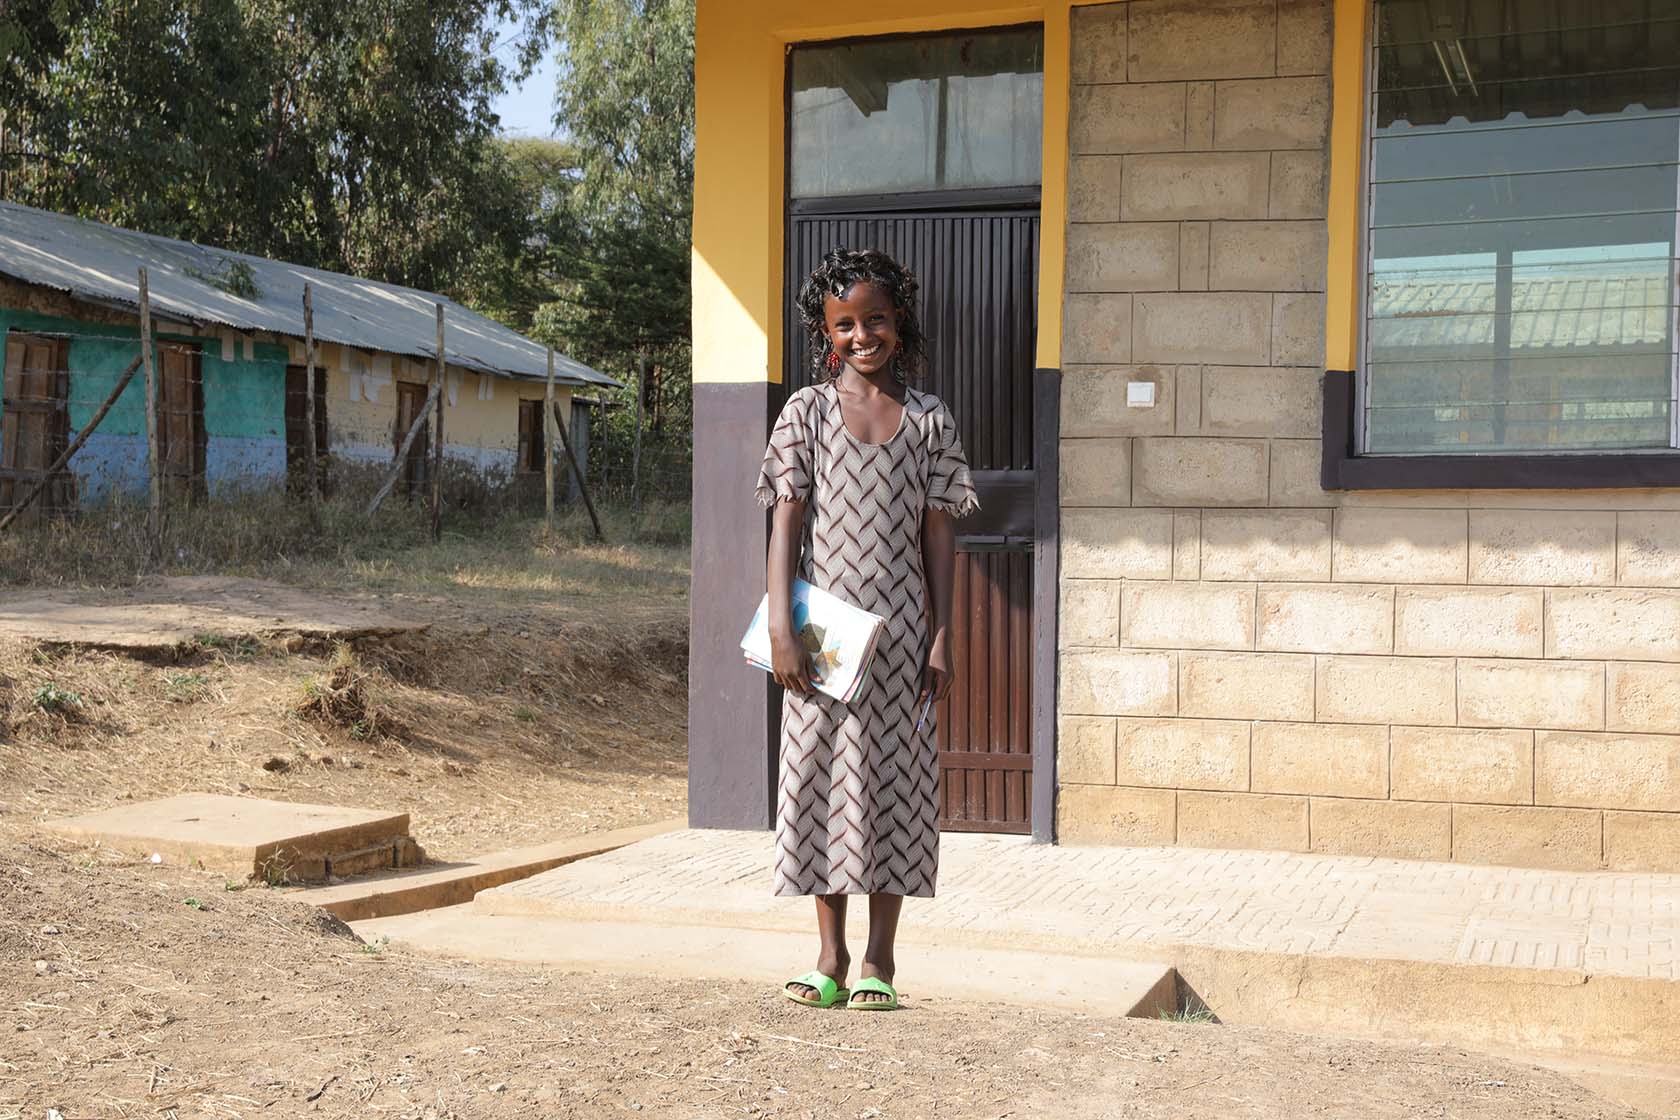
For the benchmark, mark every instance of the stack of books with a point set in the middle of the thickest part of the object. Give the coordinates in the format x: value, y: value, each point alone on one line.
x: 841, y: 639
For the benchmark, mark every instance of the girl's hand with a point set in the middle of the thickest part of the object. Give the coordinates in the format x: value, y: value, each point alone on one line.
x: 790, y: 662
x: 937, y: 675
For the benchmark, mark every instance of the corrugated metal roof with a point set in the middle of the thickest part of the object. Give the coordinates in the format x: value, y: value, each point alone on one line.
x: 1547, y: 313
x: 99, y: 262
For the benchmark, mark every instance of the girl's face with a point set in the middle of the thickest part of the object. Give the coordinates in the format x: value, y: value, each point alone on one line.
x: 862, y: 327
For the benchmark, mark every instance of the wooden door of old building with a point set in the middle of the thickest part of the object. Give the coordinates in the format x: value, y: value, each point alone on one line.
x: 297, y: 429
x: 35, y: 422
x: 411, y: 399
x: 182, y: 441
x: 978, y: 272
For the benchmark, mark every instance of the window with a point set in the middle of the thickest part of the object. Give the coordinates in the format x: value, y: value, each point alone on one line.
x: 1523, y: 207
x: 917, y: 113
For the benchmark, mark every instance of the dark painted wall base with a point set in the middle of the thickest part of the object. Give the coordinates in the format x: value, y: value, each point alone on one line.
x: 731, y: 774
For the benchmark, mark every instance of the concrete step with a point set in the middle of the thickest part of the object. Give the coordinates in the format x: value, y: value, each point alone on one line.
x: 405, y: 892
x: 249, y: 837
x: 925, y: 972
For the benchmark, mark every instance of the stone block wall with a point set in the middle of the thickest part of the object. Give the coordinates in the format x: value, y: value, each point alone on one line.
x: 1248, y: 660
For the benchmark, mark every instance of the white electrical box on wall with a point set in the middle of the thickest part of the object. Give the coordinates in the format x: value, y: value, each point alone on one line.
x: 1140, y: 394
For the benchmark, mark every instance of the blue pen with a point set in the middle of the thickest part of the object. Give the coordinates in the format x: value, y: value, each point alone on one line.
x: 925, y: 708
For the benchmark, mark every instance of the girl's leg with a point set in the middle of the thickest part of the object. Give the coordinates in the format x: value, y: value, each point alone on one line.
x: 878, y: 959
x: 832, y: 959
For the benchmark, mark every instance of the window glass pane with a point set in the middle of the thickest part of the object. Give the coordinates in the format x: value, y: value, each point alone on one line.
x: 1525, y: 171
x: 938, y: 112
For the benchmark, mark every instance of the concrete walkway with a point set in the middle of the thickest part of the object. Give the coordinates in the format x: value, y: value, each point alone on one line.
x: 1006, y: 891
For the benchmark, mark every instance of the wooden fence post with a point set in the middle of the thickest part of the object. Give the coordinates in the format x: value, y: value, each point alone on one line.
x: 154, y: 512
x: 437, y: 452
x: 311, y: 452
x: 549, y: 426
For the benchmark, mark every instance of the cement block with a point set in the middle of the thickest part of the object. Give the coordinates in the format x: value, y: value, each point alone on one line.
x: 1118, y: 683
x: 1094, y: 188
x: 1629, y: 624
x: 1090, y: 613
x: 1411, y: 690
x: 1644, y: 697
x: 1094, y: 401
x: 1262, y: 401
x: 1335, y: 760
x: 1388, y: 829
x: 1303, y: 37
x: 1159, y: 615
x: 1117, y: 544
x: 1469, y: 622
x: 1115, y: 815
x: 1098, y: 43
x: 1562, y: 839
x: 1085, y: 750
x: 1298, y: 329
x: 1203, y: 328
x: 1485, y: 766
x: 1597, y: 771
x: 1561, y: 695
x: 1272, y: 114
x: 1326, y: 618
x: 1267, y: 256
x: 1123, y: 119
x: 1177, y: 39
x: 1096, y: 472
x: 1186, y: 185
x: 1198, y: 123
x: 1648, y: 549
x: 1299, y: 185
x: 1266, y: 545
x: 1242, y: 820
x: 1193, y: 256
x: 1542, y: 546
x: 1096, y: 328
x: 1642, y: 842
x: 1188, y: 394
x: 1183, y: 754
x: 1401, y: 545
x: 1269, y: 686
x: 1296, y: 479
x: 1191, y: 471
x: 1122, y: 257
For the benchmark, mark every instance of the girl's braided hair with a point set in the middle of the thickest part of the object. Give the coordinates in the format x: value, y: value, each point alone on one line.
x: 839, y: 271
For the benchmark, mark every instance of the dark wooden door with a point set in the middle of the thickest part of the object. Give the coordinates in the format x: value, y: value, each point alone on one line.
x: 411, y: 399
x: 978, y: 270
x: 181, y: 437
x: 34, y: 422
x: 297, y: 429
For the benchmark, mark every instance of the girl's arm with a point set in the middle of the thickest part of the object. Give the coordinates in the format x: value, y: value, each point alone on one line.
x: 939, y: 561
x: 790, y: 661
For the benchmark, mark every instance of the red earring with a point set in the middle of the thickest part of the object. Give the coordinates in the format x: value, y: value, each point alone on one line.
x: 832, y: 362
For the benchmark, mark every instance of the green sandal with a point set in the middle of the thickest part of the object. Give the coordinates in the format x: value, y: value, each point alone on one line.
x: 828, y: 992
x: 873, y: 984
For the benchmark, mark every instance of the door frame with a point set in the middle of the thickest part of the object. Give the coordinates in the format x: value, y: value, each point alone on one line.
x: 1046, y: 397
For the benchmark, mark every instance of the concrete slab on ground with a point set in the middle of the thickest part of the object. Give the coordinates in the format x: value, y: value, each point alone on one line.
x: 1097, y: 987
x: 172, y: 611
x: 384, y: 895
x: 249, y: 836
x: 1485, y: 956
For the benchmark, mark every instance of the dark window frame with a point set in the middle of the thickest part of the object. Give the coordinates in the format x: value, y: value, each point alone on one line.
x: 1343, y: 466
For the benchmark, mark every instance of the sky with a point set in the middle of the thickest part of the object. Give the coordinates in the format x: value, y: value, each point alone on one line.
x: 526, y: 110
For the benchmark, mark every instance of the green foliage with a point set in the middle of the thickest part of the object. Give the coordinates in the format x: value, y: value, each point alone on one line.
x: 58, y: 701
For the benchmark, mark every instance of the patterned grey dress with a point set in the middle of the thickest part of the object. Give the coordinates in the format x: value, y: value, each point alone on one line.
x: 859, y: 785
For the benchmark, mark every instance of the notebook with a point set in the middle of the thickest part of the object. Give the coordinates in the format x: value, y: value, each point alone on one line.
x: 841, y: 639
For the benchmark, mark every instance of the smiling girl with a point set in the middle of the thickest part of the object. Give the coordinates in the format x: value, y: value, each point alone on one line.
x: 865, y: 476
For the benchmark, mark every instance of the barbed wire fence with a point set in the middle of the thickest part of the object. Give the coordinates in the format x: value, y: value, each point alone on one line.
x: 231, y: 425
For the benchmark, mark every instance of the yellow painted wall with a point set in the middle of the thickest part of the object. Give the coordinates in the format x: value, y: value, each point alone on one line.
x: 740, y: 72
x: 1347, y: 133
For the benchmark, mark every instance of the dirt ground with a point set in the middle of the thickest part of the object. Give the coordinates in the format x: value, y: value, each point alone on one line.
x: 132, y: 990
x: 517, y: 716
